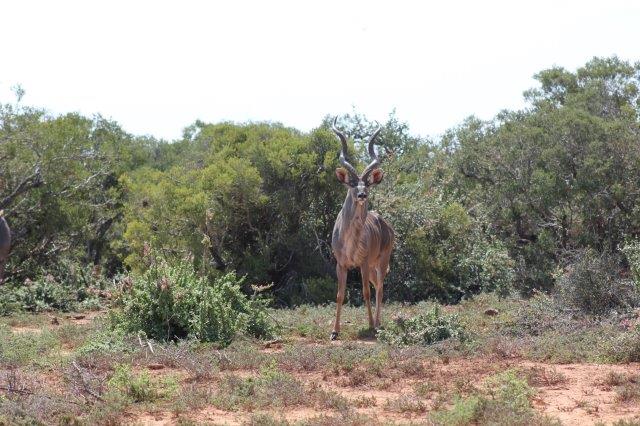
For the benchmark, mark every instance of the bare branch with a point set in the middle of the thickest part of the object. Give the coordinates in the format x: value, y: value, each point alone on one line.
x: 32, y: 181
x: 83, y: 184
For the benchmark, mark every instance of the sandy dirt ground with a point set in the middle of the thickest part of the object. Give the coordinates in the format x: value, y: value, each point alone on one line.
x: 576, y: 394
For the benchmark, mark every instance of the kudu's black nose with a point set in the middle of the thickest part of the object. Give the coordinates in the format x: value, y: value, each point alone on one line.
x: 362, y: 195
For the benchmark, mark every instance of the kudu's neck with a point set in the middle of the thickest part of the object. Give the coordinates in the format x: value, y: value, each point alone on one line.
x: 354, y: 214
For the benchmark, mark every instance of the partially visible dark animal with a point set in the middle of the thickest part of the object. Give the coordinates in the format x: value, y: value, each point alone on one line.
x: 5, y: 244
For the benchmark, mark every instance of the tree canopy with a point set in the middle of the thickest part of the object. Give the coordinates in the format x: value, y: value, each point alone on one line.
x: 493, y: 205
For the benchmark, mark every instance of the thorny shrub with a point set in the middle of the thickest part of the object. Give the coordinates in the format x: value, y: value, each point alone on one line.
x: 170, y: 301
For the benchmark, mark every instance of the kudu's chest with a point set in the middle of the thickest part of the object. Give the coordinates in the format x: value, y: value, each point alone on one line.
x: 352, y: 243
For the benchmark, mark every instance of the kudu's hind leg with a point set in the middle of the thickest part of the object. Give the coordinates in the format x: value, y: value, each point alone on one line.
x: 342, y: 285
x: 366, y: 293
x: 378, y: 282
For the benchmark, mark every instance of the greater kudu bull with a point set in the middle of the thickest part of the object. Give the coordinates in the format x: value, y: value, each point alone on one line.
x: 5, y: 244
x: 361, y: 239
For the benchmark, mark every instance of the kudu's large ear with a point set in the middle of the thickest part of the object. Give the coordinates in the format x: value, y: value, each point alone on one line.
x: 343, y: 175
x: 376, y: 177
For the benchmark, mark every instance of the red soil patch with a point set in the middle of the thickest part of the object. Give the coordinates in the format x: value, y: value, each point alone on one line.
x: 582, y: 399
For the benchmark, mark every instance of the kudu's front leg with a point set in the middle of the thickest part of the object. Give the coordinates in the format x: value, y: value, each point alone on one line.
x: 366, y: 293
x: 341, y: 271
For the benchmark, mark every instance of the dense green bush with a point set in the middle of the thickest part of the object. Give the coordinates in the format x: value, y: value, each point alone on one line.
x: 424, y: 329
x: 562, y: 174
x: 169, y: 300
x: 487, y: 267
x: 631, y: 251
x: 626, y: 346
x: 252, y: 198
x: 66, y: 287
x: 593, y: 284
x: 540, y: 314
x: 43, y: 294
x: 314, y: 290
x: 59, y: 188
x: 441, y: 251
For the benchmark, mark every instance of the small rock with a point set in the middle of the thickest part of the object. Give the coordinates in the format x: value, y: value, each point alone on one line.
x: 491, y: 312
x: 155, y: 366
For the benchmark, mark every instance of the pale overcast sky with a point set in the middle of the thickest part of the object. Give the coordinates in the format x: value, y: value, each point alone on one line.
x: 156, y: 67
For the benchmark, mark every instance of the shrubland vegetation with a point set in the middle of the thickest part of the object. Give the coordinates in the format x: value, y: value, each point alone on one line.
x: 171, y: 301
x: 540, y: 199
x: 517, y: 238
x: 507, y: 204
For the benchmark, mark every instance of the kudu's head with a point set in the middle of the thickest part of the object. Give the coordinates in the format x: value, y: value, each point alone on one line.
x: 372, y: 175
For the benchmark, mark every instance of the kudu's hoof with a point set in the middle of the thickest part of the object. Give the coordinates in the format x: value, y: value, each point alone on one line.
x: 334, y: 335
